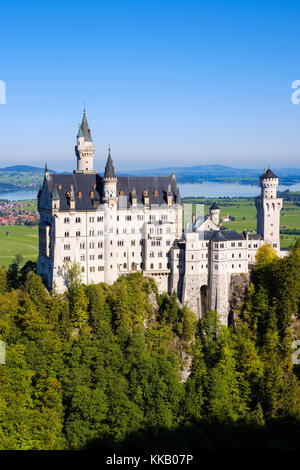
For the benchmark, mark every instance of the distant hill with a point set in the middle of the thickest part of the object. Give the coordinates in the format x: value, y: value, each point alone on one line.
x: 18, y: 177
x: 219, y: 173
x: 25, y: 168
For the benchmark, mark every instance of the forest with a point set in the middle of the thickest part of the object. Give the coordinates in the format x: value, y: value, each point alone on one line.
x: 123, y: 367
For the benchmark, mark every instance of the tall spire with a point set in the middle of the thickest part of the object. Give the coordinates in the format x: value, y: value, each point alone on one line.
x: 84, y: 130
x: 84, y: 149
x: 109, y: 168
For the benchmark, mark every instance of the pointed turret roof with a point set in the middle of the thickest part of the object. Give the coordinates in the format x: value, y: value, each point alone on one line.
x: 55, y: 196
x: 84, y: 130
x: 268, y: 174
x: 214, y: 206
x: 109, y: 168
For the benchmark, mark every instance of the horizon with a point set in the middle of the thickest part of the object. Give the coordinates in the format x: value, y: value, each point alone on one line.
x: 161, y: 83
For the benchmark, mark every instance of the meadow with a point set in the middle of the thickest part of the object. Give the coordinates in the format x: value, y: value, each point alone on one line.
x: 18, y: 240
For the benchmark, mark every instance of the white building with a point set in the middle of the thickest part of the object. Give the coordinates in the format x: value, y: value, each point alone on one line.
x: 113, y: 225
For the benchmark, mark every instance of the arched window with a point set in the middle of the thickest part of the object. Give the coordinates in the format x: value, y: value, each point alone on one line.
x: 160, y: 265
x: 125, y: 265
x: 151, y: 266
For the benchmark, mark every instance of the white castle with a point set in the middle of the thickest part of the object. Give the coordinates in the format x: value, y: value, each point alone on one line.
x: 111, y: 226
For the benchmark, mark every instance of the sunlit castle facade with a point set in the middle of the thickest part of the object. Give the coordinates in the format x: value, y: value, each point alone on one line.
x: 114, y: 225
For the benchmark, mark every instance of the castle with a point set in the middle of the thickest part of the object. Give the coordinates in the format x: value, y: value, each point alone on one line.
x: 113, y: 225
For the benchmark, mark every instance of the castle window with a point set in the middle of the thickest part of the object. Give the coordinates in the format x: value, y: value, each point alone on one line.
x: 91, y: 219
x: 92, y: 269
x: 132, y: 242
x: 232, y: 255
x: 91, y: 232
x: 160, y: 254
x: 232, y: 244
x: 240, y: 244
x: 216, y: 256
x: 100, y: 219
x: 100, y: 244
x: 92, y: 257
x: 240, y: 265
x: 82, y: 257
x: 151, y: 254
x: 92, y: 245
x: 66, y: 234
x: 168, y: 243
x: 80, y: 194
x: 67, y: 258
x: 240, y: 255
x: 66, y: 220
x: 232, y: 266
x: 151, y: 266
x: 82, y: 246
x: 221, y: 245
x: 128, y: 217
x: 100, y: 256
x: 77, y: 220
x: 77, y: 233
x: 125, y: 266
x: 100, y: 268
x: 160, y: 266
x: 67, y: 246
x: 82, y: 269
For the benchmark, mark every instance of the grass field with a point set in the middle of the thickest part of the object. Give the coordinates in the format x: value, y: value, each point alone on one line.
x: 18, y: 240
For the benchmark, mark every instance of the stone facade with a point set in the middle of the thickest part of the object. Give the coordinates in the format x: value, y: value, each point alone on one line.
x: 112, y: 225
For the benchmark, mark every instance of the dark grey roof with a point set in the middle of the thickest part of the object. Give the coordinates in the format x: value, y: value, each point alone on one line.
x: 93, y: 183
x: 214, y: 206
x: 224, y: 235
x: 268, y: 174
x: 109, y: 168
x: 55, y: 196
x: 84, y: 130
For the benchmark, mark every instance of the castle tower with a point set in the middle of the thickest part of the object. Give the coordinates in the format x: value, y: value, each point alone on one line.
x: 268, y: 207
x: 110, y: 200
x: 110, y: 181
x: 215, y: 213
x: 84, y: 149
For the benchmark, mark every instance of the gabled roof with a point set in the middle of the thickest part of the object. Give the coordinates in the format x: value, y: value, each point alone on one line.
x: 89, y: 189
x: 222, y: 235
x: 84, y: 130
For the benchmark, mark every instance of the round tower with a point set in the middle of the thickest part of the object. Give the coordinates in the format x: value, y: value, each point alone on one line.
x: 268, y: 207
x: 214, y: 213
x: 84, y: 149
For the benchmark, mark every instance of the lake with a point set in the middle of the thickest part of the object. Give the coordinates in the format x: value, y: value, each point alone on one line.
x: 206, y: 189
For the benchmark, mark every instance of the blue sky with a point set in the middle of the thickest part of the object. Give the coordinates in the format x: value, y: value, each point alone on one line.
x: 166, y: 83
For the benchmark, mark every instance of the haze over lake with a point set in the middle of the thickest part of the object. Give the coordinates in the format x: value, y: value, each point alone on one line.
x: 206, y: 189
